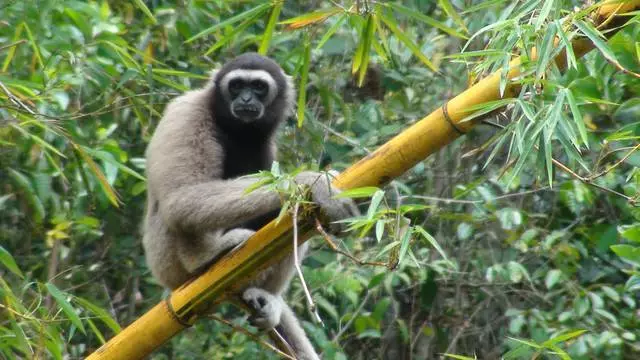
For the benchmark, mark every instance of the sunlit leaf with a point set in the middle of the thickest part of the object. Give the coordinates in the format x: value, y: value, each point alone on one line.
x: 311, y: 18
x: 268, y: 31
x: 407, y: 42
x: 260, y: 9
x: 66, y: 307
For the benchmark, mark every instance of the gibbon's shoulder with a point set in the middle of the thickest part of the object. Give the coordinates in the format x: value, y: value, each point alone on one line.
x: 198, y: 100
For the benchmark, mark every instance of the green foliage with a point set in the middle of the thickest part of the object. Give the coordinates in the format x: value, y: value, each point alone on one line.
x: 520, y: 240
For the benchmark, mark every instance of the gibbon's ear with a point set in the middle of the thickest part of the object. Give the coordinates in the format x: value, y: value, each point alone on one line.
x: 212, y: 77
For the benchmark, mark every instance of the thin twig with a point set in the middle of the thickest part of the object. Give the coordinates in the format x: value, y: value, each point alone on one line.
x: 14, y: 99
x: 618, y: 163
x: 252, y: 335
x: 335, y: 248
x: 353, y: 318
x: 296, y: 261
x: 13, y: 44
x: 587, y: 181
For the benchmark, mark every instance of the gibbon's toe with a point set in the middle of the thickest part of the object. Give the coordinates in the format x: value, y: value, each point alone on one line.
x: 267, y: 308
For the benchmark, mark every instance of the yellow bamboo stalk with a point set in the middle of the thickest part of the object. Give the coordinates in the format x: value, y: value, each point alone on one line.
x: 273, y: 241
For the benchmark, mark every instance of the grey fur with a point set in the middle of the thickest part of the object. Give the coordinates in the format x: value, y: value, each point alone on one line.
x: 192, y: 209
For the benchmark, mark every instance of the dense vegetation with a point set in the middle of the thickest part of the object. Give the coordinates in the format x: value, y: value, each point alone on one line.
x: 525, y: 232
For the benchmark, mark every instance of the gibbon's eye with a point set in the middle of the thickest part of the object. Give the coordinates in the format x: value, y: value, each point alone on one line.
x: 259, y: 87
x: 235, y: 86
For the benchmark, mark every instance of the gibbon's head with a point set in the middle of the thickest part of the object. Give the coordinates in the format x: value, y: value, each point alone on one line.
x: 252, y: 92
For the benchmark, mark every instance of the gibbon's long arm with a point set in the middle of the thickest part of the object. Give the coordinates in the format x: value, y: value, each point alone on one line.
x: 219, y: 204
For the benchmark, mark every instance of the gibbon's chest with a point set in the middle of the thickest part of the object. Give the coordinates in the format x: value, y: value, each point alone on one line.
x: 242, y: 158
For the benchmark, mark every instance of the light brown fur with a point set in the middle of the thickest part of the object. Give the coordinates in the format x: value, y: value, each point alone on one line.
x: 190, y: 209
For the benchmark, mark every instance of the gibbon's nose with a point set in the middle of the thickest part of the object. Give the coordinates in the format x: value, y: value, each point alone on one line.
x: 245, y: 97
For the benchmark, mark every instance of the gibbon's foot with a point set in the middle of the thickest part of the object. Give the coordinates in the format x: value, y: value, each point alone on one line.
x: 267, y: 307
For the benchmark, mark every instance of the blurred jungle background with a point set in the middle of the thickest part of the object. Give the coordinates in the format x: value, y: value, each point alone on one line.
x: 525, y: 237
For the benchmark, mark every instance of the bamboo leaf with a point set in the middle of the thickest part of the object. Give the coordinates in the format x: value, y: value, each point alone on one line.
x: 426, y: 19
x: 431, y: 241
x: 268, y: 31
x: 368, y: 34
x: 302, y: 92
x: 568, y: 46
x: 562, y: 338
x: 596, y: 37
x: 34, y: 45
x: 545, y: 145
x: 407, y: 42
x: 311, y: 18
x: 545, y: 51
x: 231, y: 35
x: 376, y: 199
x: 99, y: 313
x: 577, y: 117
x: 9, y: 262
x: 66, y: 307
x: 13, y: 49
x: 544, y: 14
x: 260, y: 9
x: 141, y: 5
x: 331, y: 31
x: 362, y: 192
x: 24, y: 183
x: 449, y: 9
x: 109, y: 192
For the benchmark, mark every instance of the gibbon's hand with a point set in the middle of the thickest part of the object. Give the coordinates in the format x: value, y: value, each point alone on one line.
x: 322, y: 194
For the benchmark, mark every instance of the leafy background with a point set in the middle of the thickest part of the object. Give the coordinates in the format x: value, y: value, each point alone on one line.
x: 525, y: 238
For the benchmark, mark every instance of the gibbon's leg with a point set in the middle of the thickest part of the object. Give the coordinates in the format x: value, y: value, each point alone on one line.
x: 271, y: 311
x: 210, y: 247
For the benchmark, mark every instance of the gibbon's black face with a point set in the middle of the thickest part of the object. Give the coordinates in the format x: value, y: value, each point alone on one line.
x: 252, y: 95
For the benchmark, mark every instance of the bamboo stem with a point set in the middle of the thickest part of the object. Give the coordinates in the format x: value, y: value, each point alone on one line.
x: 273, y: 242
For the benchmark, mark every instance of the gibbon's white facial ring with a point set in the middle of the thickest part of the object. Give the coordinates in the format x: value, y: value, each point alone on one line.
x: 247, y: 76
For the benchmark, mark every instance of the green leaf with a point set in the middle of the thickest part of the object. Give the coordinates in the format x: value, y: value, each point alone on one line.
x: 380, y: 225
x: 311, y: 18
x: 268, y: 31
x: 25, y: 185
x: 425, y: 19
x: 66, y: 307
x: 628, y: 253
x: 564, y: 337
x: 407, y: 42
x: 368, y: 34
x: 302, y: 89
x: 545, y: 51
x: 331, y: 31
x: 448, y: 8
x: 568, y: 46
x: 100, y: 313
x: 140, y: 4
x: 232, y: 35
x: 597, y: 38
x: 431, y: 241
x: 577, y: 116
x: 7, y: 260
x: 552, y: 278
x: 459, y: 357
x: 544, y: 13
x: 630, y: 232
x: 377, y: 198
x: 362, y: 192
x: 260, y: 9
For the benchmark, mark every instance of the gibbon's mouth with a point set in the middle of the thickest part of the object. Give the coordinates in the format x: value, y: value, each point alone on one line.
x: 247, y: 112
